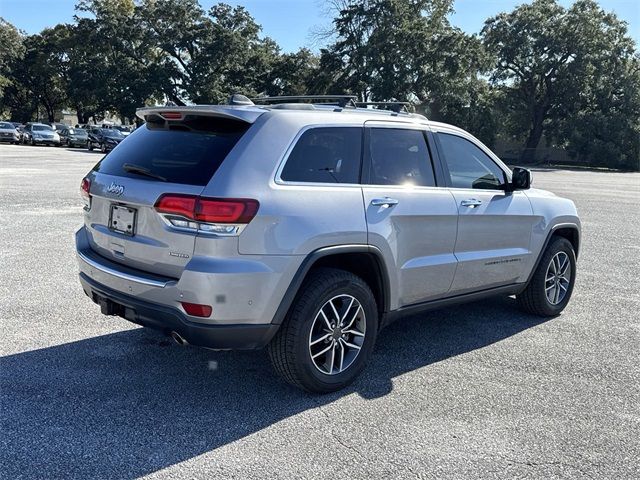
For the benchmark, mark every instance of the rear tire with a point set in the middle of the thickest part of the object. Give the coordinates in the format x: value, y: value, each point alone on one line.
x: 307, y: 328
x: 550, y: 288
x: 90, y: 146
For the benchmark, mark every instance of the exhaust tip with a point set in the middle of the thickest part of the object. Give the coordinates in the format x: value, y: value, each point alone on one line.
x: 179, y: 339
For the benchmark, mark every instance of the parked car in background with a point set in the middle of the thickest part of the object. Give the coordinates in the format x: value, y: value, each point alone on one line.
x: 124, y: 129
x: 73, y: 137
x: 57, y: 126
x: 8, y: 133
x: 104, y: 139
x: 40, y: 133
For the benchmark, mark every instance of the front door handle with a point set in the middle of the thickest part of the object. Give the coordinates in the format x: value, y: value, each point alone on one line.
x: 471, y: 203
x: 384, y: 202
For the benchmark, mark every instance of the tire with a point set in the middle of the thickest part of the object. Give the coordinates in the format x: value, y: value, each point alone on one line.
x: 33, y: 144
x: 290, y: 349
x: 90, y: 146
x: 535, y: 299
x: 103, y: 148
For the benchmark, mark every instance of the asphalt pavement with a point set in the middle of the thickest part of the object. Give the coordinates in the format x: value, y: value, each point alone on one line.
x: 476, y: 391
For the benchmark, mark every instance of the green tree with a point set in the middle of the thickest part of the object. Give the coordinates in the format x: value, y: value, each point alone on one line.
x: 551, y: 63
x: 11, y: 52
x: 407, y: 50
x: 207, y: 55
x: 293, y: 74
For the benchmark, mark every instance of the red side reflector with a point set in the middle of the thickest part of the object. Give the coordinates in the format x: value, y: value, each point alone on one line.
x: 238, y: 210
x: 196, y: 309
x: 177, y: 204
x: 171, y: 115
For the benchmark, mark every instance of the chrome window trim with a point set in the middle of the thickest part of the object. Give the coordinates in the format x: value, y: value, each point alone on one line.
x: 366, y: 124
x: 462, y: 134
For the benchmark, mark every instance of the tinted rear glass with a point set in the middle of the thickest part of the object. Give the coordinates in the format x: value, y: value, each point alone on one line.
x: 325, y: 155
x: 40, y: 128
x: 187, y: 152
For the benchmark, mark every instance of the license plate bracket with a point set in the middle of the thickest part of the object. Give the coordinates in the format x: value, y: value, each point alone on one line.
x: 122, y: 219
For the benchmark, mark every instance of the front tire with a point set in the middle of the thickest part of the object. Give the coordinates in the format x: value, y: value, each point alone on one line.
x: 328, y: 335
x: 550, y: 288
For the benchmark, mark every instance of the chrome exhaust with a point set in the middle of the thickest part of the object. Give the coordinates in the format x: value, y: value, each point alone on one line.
x: 179, y: 339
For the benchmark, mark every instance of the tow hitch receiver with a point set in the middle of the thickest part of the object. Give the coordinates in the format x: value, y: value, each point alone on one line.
x: 107, y: 307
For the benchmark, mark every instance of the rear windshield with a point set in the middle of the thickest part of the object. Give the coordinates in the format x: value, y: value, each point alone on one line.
x: 6, y: 125
x: 78, y: 132
x: 187, y: 152
x: 41, y: 128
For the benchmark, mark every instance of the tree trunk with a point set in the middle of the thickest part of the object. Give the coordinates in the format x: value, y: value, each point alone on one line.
x: 533, y: 139
x: 80, y: 114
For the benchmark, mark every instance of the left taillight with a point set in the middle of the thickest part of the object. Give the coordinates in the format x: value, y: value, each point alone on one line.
x: 85, y: 188
x: 221, y: 216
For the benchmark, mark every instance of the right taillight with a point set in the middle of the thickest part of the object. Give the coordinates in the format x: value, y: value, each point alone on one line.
x: 222, y: 216
x: 85, y: 187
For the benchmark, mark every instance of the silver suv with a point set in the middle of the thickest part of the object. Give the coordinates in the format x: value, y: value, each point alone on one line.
x: 306, y: 228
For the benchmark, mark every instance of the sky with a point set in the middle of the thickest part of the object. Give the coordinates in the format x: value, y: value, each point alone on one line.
x: 295, y: 23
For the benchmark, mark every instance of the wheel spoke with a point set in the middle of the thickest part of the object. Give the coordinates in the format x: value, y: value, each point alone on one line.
x: 326, y: 320
x: 354, y: 332
x: 318, y: 340
x: 350, y: 345
x: 556, y: 297
x: 564, y: 266
x: 333, y: 358
x: 353, y: 318
x: 341, y: 356
x: 322, y: 351
x: 551, y: 294
x: 562, y: 286
x: 335, y: 312
x: 346, y: 312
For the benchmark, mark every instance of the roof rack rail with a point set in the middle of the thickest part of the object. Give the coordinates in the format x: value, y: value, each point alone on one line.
x: 339, y: 100
x: 396, y: 107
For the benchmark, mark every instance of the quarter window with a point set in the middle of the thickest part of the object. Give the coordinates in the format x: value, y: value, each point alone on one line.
x: 400, y: 157
x: 469, y: 166
x: 325, y: 155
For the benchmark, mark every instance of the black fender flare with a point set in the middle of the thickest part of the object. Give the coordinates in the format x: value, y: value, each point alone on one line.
x: 552, y: 231
x: 313, y: 257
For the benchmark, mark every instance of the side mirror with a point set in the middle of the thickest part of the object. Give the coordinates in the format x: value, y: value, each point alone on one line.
x: 520, y: 179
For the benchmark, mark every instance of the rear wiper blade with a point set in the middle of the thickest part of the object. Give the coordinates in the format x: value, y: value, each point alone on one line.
x: 131, y: 168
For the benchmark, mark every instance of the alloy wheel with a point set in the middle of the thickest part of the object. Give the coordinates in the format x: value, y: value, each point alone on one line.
x: 337, y: 334
x: 557, y: 278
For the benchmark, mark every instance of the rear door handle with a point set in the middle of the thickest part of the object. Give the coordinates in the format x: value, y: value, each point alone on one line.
x: 384, y: 202
x: 471, y: 203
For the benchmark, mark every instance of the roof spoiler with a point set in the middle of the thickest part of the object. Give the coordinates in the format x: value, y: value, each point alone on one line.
x: 246, y: 114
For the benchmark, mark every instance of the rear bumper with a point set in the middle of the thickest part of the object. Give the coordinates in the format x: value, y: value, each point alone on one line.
x: 167, y: 319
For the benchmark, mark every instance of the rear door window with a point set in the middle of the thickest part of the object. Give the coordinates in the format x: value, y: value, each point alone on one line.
x: 186, y: 152
x: 325, y: 155
x: 399, y: 157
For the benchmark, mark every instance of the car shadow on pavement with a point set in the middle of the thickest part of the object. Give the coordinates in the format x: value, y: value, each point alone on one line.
x: 130, y: 403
